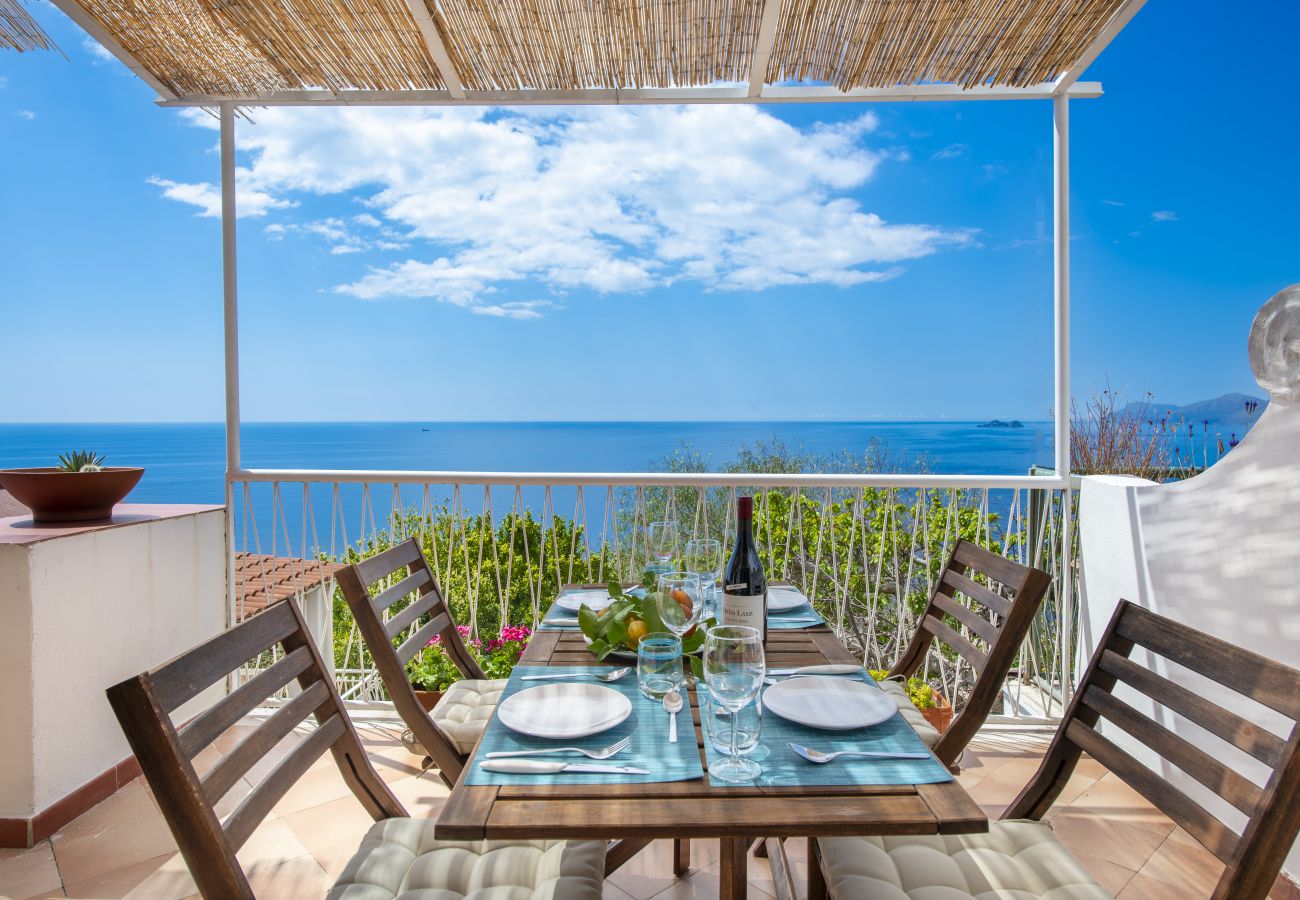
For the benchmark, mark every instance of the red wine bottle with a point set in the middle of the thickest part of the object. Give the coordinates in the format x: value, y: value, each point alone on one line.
x: 744, y: 586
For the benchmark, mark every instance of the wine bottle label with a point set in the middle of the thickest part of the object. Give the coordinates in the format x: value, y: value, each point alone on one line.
x: 738, y: 586
x: 743, y: 609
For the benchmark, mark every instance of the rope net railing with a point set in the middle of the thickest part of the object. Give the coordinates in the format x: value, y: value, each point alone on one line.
x: 867, y: 557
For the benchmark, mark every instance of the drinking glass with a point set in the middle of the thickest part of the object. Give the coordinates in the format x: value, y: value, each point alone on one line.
x: 659, y: 664
x: 718, y: 725
x: 704, y: 558
x: 661, y: 539
x: 680, y: 602
x: 734, y: 670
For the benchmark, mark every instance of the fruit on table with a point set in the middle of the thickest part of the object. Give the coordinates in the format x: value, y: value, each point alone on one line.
x: 636, y: 630
x: 683, y: 600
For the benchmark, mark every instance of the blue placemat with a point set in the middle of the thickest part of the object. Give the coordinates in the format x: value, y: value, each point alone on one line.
x: 800, y: 617
x: 568, y: 619
x: 647, y: 726
x: 782, y: 767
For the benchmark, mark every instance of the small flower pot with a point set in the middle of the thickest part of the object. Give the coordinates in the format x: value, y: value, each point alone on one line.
x: 939, y: 715
x: 428, y: 699
x: 57, y: 497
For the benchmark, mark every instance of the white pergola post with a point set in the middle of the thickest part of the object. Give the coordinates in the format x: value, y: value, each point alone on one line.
x: 230, y: 296
x: 1061, y: 288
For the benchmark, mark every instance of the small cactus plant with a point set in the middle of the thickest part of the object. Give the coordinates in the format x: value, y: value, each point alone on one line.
x: 81, y: 461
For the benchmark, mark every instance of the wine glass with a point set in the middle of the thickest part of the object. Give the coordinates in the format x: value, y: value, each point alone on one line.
x: 680, y: 601
x: 734, y: 667
x: 704, y: 558
x: 661, y: 538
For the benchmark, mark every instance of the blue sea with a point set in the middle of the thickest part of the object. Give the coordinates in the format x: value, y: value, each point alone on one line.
x: 184, y: 463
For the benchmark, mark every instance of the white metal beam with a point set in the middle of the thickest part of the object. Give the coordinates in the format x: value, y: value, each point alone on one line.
x: 650, y: 479
x: 437, y: 49
x: 762, y: 54
x: 643, y: 96
x: 73, y: 11
x: 1061, y: 281
x: 230, y: 306
x: 1122, y: 17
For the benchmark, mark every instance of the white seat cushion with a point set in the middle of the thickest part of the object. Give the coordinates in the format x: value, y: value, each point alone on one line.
x: 400, y: 860
x: 1016, y: 860
x: 928, y: 734
x: 465, y: 709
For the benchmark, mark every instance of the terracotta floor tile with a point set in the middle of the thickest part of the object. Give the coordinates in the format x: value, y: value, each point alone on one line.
x: 1144, y: 888
x: 423, y: 796
x: 300, y: 878
x: 83, y: 854
x: 331, y: 832
x: 1115, y: 801
x: 650, y: 872
x: 161, y: 878
x: 1111, y: 876
x: 610, y: 892
x: 26, y: 873
x: 1184, y: 865
x: 314, y: 788
x: 1089, y: 834
x: 131, y: 804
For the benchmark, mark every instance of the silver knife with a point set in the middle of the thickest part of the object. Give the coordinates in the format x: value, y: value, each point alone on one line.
x: 832, y: 669
x: 542, y: 767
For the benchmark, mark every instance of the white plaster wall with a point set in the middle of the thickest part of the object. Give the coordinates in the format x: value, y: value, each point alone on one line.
x: 106, y: 605
x: 1219, y: 552
x: 16, y: 793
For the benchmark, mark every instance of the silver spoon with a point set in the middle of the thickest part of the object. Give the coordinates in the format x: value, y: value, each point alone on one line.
x: 606, y: 677
x: 673, y: 703
x: 817, y: 756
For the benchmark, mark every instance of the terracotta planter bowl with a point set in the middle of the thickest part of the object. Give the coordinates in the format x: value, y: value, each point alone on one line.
x: 55, y: 496
x: 428, y: 699
x: 939, y: 715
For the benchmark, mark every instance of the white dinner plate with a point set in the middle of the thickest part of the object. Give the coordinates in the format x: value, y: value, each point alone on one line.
x: 574, y: 600
x: 564, y: 711
x: 783, y: 599
x: 834, y: 704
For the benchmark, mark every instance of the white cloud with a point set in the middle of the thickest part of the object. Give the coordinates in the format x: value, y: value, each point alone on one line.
x: 25, y: 114
x: 1164, y: 215
x: 952, y: 151
x: 207, y: 197
x: 1112, y: 202
x: 4, y: 82
x: 602, y: 199
x: 98, y: 53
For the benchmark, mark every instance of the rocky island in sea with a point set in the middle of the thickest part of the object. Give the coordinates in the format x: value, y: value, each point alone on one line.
x: 998, y: 423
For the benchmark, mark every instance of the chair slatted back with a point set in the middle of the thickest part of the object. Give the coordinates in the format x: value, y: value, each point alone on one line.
x: 987, y: 633
x: 1252, y: 856
x: 145, y: 704
x: 407, y: 572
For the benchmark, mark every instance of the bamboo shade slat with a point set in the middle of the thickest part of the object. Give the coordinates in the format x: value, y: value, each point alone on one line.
x: 249, y: 47
x: 18, y: 31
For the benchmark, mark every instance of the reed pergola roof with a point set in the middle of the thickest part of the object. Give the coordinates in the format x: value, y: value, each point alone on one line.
x: 565, y: 51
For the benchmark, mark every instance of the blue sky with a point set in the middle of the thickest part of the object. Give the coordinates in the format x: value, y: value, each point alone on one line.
x: 831, y: 261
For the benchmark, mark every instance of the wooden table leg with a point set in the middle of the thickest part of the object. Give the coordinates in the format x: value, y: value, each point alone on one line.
x: 681, y: 857
x: 733, y: 879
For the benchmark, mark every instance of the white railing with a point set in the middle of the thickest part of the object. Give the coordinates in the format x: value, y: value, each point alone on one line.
x: 866, y: 548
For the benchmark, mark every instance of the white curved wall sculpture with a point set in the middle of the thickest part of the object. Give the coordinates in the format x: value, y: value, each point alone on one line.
x: 1221, y: 551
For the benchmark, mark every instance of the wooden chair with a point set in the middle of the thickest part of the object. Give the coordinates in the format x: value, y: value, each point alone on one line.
x: 449, y: 733
x: 384, y: 861
x: 1021, y: 853
x: 993, y: 620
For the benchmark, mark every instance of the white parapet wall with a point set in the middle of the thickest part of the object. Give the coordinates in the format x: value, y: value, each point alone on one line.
x: 1220, y: 551
x: 80, y: 610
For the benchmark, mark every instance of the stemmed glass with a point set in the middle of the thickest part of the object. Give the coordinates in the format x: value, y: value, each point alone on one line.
x: 704, y: 558
x: 662, y: 540
x: 680, y: 601
x: 734, y: 667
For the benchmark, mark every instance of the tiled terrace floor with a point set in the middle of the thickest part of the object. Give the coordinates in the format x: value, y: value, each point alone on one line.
x: 122, y: 847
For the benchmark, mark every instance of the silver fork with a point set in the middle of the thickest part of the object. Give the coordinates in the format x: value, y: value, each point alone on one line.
x: 820, y: 757
x: 590, y: 754
x: 606, y: 677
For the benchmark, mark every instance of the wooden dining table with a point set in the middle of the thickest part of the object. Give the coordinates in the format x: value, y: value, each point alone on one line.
x: 735, y: 816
